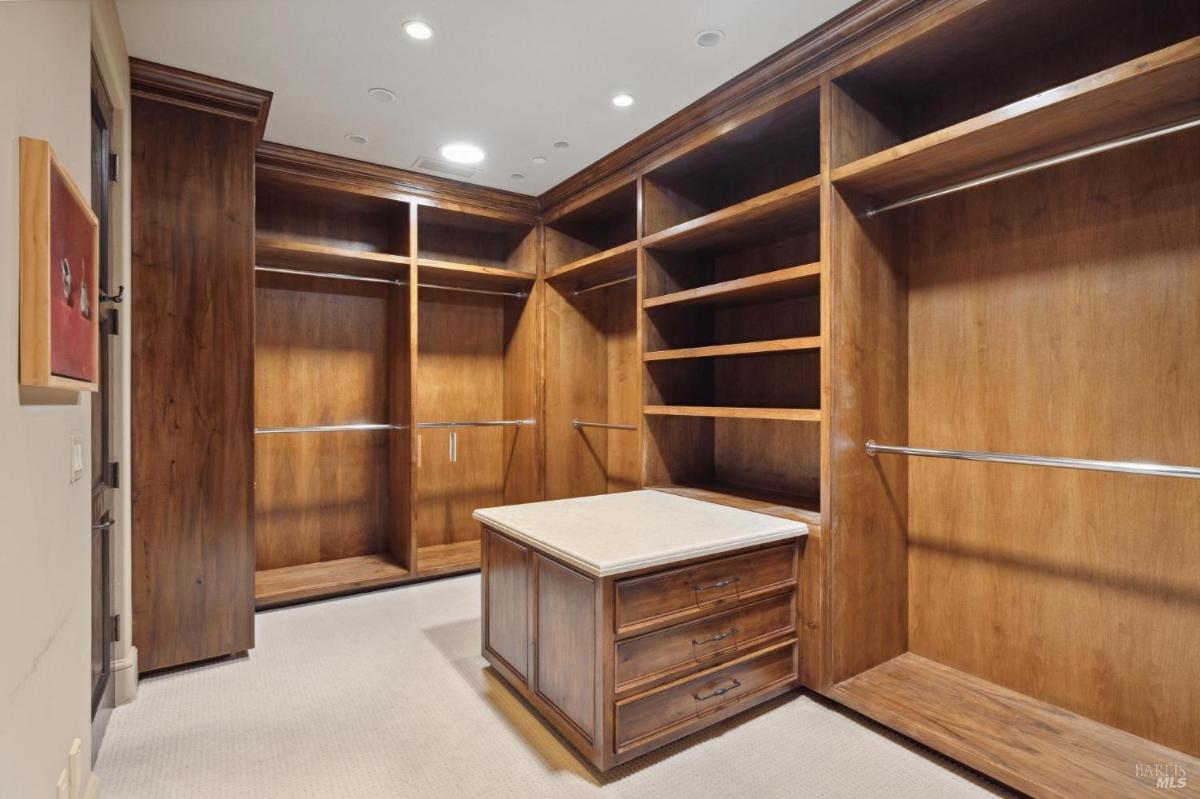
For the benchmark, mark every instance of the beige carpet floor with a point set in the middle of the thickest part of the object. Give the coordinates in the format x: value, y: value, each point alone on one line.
x: 385, y: 695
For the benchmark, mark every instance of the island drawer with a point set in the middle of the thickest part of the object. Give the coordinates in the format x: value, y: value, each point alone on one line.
x: 642, y: 601
x: 656, y: 655
x: 661, y: 711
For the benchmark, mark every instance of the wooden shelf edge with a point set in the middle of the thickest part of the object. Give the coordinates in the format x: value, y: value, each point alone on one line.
x: 273, y: 251
x: 601, y: 263
x: 890, y: 173
x: 476, y: 269
x: 798, y: 344
x: 771, y: 503
x: 756, y: 210
x: 1033, y: 746
x: 326, y: 579
x: 729, y: 412
x: 440, y: 559
x: 767, y: 284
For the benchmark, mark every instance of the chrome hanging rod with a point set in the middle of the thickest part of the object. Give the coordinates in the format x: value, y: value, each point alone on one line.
x: 577, y: 292
x: 330, y: 275
x: 389, y: 281
x: 578, y: 423
x: 329, y: 428
x: 1126, y: 467
x: 473, y: 291
x: 500, y: 423
x: 1033, y: 166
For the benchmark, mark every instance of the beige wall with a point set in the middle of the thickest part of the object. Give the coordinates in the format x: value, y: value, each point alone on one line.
x: 45, y: 550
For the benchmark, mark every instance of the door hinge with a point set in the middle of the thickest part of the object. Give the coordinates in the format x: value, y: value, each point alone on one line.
x: 114, y: 475
x: 116, y: 627
x: 114, y: 166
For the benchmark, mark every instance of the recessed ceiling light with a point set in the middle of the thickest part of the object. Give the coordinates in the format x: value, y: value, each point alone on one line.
x: 517, y: 176
x: 419, y: 30
x: 462, y: 153
x: 709, y: 38
x: 357, y: 138
x: 622, y: 100
x: 562, y: 145
x: 382, y: 95
x: 540, y: 159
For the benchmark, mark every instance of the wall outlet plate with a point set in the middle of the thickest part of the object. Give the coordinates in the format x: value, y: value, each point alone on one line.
x: 76, y: 457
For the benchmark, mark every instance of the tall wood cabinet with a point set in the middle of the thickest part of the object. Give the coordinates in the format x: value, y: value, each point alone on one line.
x: 192, y: 324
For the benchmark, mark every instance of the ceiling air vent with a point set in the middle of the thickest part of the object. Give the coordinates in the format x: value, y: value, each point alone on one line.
x: 440, y: 167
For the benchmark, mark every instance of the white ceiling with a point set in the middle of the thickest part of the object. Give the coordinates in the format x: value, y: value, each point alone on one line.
x: 512, y: 76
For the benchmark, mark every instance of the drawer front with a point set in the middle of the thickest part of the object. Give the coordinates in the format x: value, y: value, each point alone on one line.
x: 644, y: 717
x: 642, y: 600
x: 687, y: 646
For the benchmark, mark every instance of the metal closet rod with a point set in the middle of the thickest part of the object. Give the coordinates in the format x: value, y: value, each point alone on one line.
x: 578, y: 423
x: 499, y: 423
x: 1126, y: 467
x: 577, y: 292
x: 1033, y: 166
x: 389, y: 281
x: 329, y: 428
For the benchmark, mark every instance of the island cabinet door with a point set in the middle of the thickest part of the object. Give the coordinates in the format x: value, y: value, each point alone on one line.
x: 506, y: 567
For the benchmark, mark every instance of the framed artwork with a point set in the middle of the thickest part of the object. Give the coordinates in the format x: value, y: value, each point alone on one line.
x: 60, y: 256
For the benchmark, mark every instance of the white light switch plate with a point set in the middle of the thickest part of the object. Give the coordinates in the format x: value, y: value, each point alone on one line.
x: 76, y: 457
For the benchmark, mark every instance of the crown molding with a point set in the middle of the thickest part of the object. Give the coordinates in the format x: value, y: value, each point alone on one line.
x: 401, y: 184
x: 849, y: 32
x: 201, y: 92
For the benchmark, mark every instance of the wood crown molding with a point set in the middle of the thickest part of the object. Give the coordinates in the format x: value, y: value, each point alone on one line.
x: 849, y: 32
x: 201, y: 92
x: 394, y: 182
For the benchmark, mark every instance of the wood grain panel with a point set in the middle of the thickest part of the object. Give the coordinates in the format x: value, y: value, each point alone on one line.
x: 193, y: 333
x: 566, y: 643
x: 506, y: 601
x: 1037, y: 748
x: 1072, y: 326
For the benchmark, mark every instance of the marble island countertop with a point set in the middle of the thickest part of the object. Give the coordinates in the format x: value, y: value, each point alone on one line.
x: 616, y: 533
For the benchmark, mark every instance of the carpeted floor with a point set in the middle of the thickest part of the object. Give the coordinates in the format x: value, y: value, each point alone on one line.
x: 385, y: 695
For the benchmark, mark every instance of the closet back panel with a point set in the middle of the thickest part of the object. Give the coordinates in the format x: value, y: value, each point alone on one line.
x: 322, y: 356
x: 303, y: 213
x: 460, y: 377
x: 1058, y: 314
x: 592, y: 363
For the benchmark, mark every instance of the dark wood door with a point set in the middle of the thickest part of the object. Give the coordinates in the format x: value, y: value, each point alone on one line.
x: 104, y: 470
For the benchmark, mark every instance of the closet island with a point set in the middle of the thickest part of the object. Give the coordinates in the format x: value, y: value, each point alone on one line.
x: 630, y: 620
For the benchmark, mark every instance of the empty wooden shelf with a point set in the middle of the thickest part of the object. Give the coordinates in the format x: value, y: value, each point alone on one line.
x: 288, y: 584
x: 310, y: 257
x: 599, y: 268
x: 744, y: 348
x: 472, y: 276
x: 718, y: 412
x: 777, y: 284
x: 593, y: 231
x: 1145, y: 93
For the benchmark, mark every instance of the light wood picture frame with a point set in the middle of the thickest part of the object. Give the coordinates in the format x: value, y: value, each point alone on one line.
x: 59, y: 276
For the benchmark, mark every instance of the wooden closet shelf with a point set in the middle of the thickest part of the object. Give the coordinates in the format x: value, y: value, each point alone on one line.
x: 726, y: 412
x: 1038, y: 748
x: 1149, y: 92
x: 473, y: 276
x: 745, y: 348
x: 792, y: 281
x: 447, y: 558
x: 746, y: 221
x: 290, y: 254
x: 327, y: 578
x: 773, y: 503
x: 607, y: 265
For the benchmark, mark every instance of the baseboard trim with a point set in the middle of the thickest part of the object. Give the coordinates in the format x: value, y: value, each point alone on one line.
x: 125, y: 678
x: 92, y: 791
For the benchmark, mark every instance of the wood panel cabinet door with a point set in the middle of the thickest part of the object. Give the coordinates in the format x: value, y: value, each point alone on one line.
x: 506, y: 601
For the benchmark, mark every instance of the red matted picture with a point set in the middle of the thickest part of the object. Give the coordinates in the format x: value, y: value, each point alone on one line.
x: 60, y: 249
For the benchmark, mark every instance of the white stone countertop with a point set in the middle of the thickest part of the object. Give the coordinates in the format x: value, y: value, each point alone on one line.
x: 612, y: 534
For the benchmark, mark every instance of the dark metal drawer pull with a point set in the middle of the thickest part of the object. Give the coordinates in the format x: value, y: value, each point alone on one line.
x: 717, y: 584
x: 718, y: 637
x: 718, y: 692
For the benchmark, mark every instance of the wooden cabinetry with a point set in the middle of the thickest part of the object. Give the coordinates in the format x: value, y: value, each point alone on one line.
x: 622, y: 664
x: 193, y: 337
